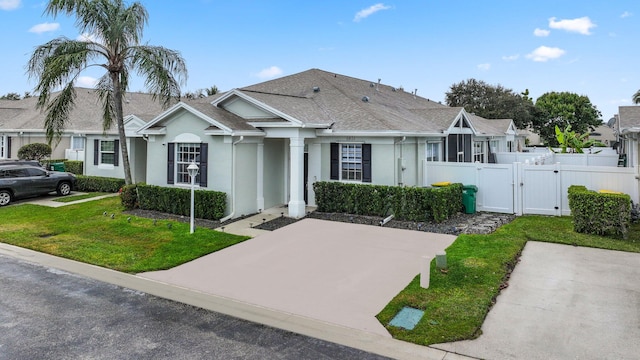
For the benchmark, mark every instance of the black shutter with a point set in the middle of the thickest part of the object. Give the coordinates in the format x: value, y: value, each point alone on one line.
x: 335, y: 161
x: 8, y: 147
x: 170, y: 162
x: 204, y: 157
x: 96, y: 152
x: 116, y: 152
x: 366, y: 163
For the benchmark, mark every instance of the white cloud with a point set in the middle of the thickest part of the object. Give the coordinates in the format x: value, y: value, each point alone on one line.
x: 545, y: 53
x: 541, y: 32
x: 626, y: 14
x: 44, y: 27
x: 364, y: 13
x: 511, y: 57
x: 579, y: 25
x: 86, y: 81
x: 484, y: 67
x: 269, y: 72
x: 9, y: 4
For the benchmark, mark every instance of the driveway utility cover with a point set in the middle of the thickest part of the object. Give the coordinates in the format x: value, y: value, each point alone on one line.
x: 334, y: 272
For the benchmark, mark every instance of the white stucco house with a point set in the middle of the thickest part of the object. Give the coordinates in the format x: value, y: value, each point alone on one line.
x: 266, y: 144
x: 84, y: 138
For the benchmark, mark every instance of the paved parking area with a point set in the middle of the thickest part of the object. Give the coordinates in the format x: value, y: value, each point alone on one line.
x: 563, y: 302
x: 333, y: 272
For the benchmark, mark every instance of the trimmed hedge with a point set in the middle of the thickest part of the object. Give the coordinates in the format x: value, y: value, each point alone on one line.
x: 98, y: 184
x: 129, y: 197
x: 405, y: 203
x: 73, y: 166
x: 599, y: 213
x: 208, y: 204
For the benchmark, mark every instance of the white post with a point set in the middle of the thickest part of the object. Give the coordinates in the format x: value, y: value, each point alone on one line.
x: 296, y: 176
x: 425, y: 270
x: 193, y: 171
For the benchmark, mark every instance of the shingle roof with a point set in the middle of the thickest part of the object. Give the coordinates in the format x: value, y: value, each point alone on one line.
x: 629, y: 117
x: 85, y: 117
x: 319, y: 97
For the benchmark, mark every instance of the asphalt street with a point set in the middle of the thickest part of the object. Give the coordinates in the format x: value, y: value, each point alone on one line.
x: 50, y: 314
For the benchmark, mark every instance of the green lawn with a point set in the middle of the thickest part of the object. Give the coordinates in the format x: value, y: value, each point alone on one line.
x: 81, y: 232
x: 457, y: 301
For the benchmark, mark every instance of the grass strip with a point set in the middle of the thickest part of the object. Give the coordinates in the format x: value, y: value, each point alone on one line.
x: 87, y: 232
x: 71, y: 198
x: 458, y: 300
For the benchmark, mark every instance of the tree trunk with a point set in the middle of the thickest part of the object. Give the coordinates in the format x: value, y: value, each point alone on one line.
x: 117, y: 99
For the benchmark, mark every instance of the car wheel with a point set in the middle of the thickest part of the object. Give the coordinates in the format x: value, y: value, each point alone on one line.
x: 5, y: 197
x: 64, y: 189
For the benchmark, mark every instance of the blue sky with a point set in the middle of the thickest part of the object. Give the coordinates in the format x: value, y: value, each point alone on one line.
x: 586, y: 47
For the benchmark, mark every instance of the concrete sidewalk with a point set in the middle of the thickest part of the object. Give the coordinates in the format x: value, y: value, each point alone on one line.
x: 563, y: 302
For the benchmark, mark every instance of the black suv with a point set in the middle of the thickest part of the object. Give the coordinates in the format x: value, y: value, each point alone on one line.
x: 20, y: 181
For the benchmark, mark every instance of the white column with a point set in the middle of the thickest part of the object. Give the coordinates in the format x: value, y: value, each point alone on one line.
x: 296, y: 177
x: 260, y: 177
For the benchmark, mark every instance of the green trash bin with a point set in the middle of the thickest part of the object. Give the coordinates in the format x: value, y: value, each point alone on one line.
x: 469, y: 198
x: 59, y: 166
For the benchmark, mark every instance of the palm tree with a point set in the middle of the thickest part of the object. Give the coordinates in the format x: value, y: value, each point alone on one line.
x: 111, y: 40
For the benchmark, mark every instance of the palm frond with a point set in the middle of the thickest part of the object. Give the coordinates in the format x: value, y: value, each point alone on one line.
x: 636, y: 97
x: 164, y: 70
x: 58, y: 111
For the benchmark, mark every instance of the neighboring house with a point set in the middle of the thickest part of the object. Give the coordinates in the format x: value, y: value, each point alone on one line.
x: 266, y: 144
x: 84, y: 138
x: 627, y: 126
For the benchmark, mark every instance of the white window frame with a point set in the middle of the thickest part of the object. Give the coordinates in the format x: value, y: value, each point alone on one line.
x: 495, y: 146
x: 74, y: 140
x: 102, y: 152
x: 186, y: 153
x: 351, y: 162
x: 510, y: 146
x: 430, y: 156
x: 478, y: 151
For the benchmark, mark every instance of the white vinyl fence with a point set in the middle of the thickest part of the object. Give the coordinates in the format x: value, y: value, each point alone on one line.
x: 519, y: 188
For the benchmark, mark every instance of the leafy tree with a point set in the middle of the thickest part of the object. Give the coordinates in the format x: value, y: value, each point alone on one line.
x: 34, y: 151
x: 201, y: 93
x: 562, y: 109
x: 491, y: 102
x: 10, y: 96
x: 112, y: 41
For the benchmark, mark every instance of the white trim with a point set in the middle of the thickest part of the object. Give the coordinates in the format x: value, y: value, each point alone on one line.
x: 169, y: 112
x: 258, y: 104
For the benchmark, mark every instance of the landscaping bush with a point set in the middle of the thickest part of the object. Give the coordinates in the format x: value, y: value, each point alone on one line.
x: 599, y: 213
x: 35, y: 151
x: 405, y: 203
x: 208, y: 204
x: 99, y: 184
x: 129, y: 197
x: 73, y: 166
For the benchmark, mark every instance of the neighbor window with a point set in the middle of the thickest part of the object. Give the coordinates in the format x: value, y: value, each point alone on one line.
x: 434, y: 151
x: 494, y: 144
x: 107, y: 152
x: 186, y: 153
x: 77, y: 143
x: 478, y: 151
x: 2, y: 151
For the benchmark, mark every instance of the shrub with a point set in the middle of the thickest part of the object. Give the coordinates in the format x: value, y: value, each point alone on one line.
x: 208, y: 204
x: 73, y: 166
x: 405, y: 203
x: 99, y: 184
x: 129, y: 197
x: 35, y: 151
x: 599, y: 213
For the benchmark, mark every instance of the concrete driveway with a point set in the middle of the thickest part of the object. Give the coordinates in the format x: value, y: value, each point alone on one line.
x: 563, y: 302
x: 333, y: 272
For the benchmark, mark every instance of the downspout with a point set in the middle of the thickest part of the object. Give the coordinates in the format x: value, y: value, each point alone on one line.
x: 233, y: 180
